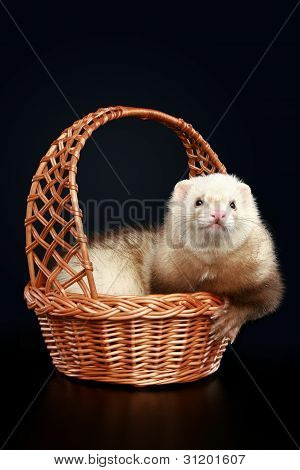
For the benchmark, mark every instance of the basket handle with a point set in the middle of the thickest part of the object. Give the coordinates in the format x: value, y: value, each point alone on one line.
x: 57, y: 172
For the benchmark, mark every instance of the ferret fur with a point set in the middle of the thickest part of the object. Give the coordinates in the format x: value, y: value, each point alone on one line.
x: 234, y: 258
x: 121, y: 262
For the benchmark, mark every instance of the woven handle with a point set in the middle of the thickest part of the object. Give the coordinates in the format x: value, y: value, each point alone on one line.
x: 53, y: 194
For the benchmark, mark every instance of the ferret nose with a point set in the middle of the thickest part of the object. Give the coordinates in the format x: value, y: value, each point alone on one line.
x: 217, y: 215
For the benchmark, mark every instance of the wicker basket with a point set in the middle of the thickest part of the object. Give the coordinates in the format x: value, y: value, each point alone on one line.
x: 156, y: 339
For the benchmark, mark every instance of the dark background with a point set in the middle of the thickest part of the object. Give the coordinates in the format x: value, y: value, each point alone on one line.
x: 189, y: 61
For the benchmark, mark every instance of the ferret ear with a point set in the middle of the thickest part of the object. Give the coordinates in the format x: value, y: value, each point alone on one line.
x: 245, y: 191
x: 181, y: 190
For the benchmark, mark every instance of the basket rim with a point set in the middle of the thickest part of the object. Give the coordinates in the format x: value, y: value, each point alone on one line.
x: 122, y: 307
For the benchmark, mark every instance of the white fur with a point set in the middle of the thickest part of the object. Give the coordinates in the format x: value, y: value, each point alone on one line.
x: 117, y: 268
x: 192, y: 226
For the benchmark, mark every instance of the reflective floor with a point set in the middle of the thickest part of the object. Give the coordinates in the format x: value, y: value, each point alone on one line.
x: 225, y: 411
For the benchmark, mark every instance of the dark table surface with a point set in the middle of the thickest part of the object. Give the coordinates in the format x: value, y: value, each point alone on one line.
x: 225, y: 411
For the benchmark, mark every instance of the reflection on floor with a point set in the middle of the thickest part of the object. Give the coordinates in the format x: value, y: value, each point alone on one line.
x: 225, y: 411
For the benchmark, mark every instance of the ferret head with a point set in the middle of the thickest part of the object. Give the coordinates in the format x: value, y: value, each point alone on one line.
x: 212, y: 212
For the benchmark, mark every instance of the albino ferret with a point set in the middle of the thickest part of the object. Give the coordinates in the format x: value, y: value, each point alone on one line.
x: 212, y: 240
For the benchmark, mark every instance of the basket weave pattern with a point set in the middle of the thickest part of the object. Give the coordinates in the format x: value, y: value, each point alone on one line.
x: 154, y: 339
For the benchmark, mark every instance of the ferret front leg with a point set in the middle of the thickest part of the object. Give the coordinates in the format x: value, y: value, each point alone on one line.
x: 228, y: 321
x: 249, y: 305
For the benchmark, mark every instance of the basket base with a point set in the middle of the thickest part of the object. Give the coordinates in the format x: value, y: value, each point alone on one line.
x: 151, y: 378
x: 138, y: 352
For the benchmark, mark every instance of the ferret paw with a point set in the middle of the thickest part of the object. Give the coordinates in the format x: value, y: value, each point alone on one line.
x: 232, y: 334
x: 226, y: 323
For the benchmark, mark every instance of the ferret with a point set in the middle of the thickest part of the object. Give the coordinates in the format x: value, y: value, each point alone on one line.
x: 121, y: 262
x: 214, y: 240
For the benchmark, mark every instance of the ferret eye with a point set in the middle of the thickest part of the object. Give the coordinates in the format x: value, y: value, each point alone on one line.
x: 198, y: 202
x: 232, y: 205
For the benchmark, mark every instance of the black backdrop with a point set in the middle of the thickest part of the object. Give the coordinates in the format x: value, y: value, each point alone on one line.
x: 191, y: 62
